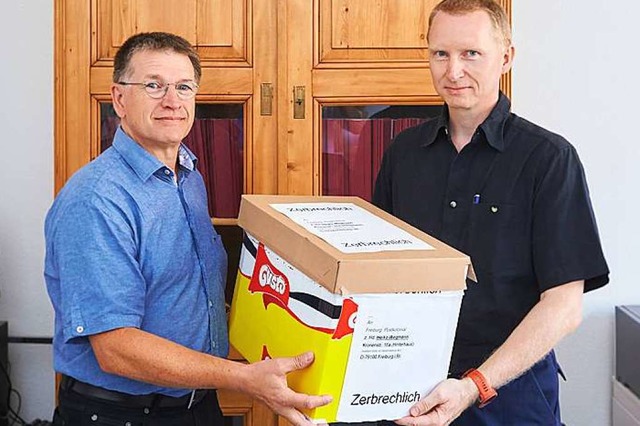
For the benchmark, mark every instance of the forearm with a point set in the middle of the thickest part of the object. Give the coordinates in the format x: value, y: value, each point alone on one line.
x: 142, y: 356
x: 558, y: 313
x: 139, y: 355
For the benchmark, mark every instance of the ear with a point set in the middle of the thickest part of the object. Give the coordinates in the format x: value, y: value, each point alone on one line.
x: 507, y: 60
x: 117, y: 97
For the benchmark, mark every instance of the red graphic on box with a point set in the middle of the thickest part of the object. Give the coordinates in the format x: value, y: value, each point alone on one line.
x: 275, y: 288
x: 347, y: 320
x: 265, y: 353
x: 269, y: 280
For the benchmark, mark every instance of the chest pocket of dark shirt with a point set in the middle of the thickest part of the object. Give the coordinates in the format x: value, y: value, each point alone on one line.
x: 499, y: 239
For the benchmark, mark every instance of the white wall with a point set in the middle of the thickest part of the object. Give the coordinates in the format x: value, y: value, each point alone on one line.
x: 575, y: 73
x: 26, y: 191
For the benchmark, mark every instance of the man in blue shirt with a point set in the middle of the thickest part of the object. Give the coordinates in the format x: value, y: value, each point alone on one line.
x: 136, y: 271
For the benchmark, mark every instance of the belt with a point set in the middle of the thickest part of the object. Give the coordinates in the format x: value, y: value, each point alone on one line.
x: 154, y: 400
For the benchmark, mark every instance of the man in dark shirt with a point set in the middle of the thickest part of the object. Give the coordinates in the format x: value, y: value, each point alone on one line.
x: 514, y: 197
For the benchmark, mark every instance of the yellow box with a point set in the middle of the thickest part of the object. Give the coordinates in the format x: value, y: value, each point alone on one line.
x: 282, y: 308
x: 263, y: 324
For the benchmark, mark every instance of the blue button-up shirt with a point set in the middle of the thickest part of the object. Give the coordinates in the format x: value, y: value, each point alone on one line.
x: 128, y: 244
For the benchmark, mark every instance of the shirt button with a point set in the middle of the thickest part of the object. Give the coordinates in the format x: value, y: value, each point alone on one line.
x: 127, y: 423
x: 94, y: 418
x: 146, y: 411
x: 80, y: 329
x: 167, y: 172
x: 453, y: 204
x: 494, y: 209
x: 210, y: 304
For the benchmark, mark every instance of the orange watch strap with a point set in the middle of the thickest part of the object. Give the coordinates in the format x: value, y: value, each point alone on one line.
x: 486, y: 392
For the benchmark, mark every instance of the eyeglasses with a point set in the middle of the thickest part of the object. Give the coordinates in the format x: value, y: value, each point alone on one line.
x: 157, y: 90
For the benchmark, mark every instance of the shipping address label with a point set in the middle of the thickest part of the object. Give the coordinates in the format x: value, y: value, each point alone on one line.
x: 350, y: 228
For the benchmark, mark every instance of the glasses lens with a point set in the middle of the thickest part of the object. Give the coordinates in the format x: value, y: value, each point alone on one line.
x: 186, y: 90
x: 155, y: 89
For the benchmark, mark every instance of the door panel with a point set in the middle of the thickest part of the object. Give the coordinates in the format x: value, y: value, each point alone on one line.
x: 358, y: 32
x: 361, y: 83
x: 218, y: 28
x: 224, y: 31
x: 115, y: 20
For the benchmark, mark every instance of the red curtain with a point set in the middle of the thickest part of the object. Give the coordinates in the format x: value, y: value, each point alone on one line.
x: 218, y: 144
x: 108, y: 127
x: 352, y: 152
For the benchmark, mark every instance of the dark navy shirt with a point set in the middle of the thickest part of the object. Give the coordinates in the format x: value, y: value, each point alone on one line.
x: 130, y: 245
x: 515, y: 199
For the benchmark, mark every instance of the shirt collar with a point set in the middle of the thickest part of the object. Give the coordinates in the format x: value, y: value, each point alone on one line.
x: 442, y: 123
x: 187, y: 159
x: 142, y: 162
x: 492, y: 126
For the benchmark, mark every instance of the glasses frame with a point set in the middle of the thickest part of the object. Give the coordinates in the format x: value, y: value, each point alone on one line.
x: 163, y: 89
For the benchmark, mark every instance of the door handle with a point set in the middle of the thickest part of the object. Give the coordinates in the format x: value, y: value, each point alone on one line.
x: 298, y: 102
x: 266, y: 99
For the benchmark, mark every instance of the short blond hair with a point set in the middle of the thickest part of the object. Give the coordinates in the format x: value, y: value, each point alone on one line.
x: 461, y: 7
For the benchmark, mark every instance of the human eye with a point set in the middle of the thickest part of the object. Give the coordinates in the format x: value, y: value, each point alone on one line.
x: 185, y: 87
x: 439, y: 54
x: 471, y: 54
x: 152, y: 85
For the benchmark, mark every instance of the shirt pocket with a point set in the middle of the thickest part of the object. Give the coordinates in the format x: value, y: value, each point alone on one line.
x: 499, y: 239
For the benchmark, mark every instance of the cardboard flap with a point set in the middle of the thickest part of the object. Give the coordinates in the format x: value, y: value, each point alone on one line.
x: 442, y: 268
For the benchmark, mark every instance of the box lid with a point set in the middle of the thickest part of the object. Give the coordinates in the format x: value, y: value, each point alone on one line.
x: 439, y: 268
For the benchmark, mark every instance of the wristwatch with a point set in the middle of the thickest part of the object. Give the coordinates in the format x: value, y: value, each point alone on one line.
x: 487, y: 393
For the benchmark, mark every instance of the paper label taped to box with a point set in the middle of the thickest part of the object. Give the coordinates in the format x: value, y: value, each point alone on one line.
x: 395, y: 357
x: 350, y: 228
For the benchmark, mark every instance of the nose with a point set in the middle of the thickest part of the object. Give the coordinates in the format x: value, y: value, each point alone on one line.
x: 455, y: 69
x: 170, y: 98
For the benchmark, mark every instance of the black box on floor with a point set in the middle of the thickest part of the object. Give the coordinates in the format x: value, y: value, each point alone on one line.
x: 4, y: 384
x: 628, y: 347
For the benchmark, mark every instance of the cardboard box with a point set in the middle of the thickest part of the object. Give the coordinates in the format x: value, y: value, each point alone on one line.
x: 381, y: 323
